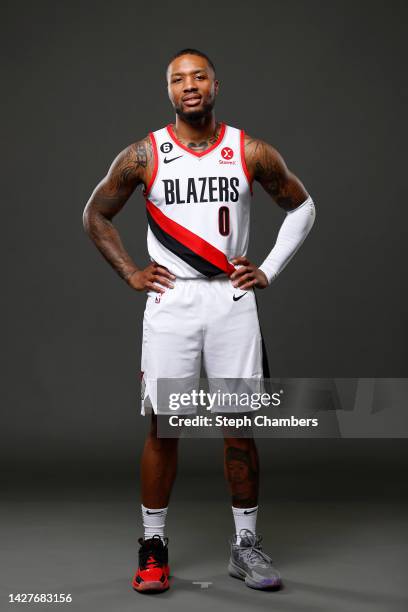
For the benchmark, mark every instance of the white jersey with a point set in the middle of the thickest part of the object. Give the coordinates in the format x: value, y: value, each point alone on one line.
x: 198, y: 204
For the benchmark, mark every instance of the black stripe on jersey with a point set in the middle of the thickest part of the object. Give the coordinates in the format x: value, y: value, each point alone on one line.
x: 195, y: 261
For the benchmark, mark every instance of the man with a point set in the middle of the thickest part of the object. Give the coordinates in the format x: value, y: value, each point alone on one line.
x: 197, y: 176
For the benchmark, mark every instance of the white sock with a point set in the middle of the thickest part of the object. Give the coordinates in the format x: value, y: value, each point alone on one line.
x: 244, y: 518
x: 154, y: 520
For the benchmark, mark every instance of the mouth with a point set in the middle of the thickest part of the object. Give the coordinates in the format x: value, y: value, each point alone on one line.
x: 192, y: 100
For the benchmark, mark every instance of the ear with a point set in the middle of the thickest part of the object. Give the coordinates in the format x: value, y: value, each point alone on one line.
x: 216, y: 86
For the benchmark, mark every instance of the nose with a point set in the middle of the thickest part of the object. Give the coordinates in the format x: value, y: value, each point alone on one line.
x: 189, y: 85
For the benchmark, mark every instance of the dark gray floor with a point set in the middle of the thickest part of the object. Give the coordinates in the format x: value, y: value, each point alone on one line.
x: 345, y: 554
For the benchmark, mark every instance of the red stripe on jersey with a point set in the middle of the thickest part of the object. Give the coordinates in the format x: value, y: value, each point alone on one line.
x: 180, y: 144
x: 196, y: 244
x: 155, y: 167
x: 244, y: 166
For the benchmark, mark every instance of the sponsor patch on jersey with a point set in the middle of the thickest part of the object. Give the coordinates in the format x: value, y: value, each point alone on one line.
x: 227, y: 154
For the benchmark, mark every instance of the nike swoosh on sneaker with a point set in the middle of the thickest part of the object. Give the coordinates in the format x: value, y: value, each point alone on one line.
x: 167, y: 161
x: 239, y: 297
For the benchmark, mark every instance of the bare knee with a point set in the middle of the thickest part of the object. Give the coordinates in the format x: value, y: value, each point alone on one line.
x: 158, y: 443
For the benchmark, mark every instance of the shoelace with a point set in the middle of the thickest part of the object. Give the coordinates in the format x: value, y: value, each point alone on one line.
x: 149, y: 562
x: 151, y: 553
x: 253, y: 552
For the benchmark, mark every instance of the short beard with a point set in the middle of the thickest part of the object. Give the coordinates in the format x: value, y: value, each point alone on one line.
x: 194, y: 116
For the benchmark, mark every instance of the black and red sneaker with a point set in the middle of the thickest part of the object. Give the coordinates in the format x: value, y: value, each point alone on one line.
x: 153, y: 571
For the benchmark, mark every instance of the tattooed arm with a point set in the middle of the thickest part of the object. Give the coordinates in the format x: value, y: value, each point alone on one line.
x: 132, y: 167
x: 266, y: 166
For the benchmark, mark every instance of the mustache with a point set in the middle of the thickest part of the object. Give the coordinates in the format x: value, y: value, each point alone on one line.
x: 195, y: 115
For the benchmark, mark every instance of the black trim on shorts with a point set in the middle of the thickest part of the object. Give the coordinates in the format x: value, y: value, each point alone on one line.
x: 265, y: 362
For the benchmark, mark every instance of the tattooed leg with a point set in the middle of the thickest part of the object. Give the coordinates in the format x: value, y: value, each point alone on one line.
x: 241, y: 468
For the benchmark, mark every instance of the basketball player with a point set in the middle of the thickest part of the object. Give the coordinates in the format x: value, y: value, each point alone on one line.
x: 198, y: 176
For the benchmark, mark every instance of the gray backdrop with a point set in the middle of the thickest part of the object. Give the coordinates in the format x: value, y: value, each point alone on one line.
x: 323, y: 82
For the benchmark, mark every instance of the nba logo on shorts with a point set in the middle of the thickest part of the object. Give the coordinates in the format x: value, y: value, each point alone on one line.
x: 157, y: 300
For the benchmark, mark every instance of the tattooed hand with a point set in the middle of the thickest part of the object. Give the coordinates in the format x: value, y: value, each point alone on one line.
x: 143, y: 280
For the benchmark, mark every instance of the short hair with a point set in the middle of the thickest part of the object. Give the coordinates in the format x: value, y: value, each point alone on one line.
x: 192, y: 52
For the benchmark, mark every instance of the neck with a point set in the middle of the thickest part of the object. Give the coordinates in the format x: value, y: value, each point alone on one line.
x: 198, y: 130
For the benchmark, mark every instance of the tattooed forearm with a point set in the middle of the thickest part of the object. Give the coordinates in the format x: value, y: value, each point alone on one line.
x: 268, y: 167
x: 126, y: 173
x: 107, y: 240
x: 241, y: 467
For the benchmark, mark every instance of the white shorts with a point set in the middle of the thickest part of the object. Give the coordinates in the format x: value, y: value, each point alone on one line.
x: 200, y: 322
